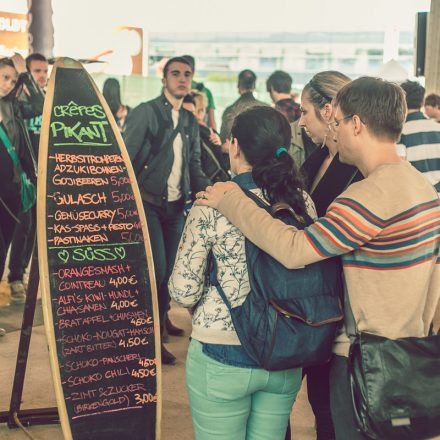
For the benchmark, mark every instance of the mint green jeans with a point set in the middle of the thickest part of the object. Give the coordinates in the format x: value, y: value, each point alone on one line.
x: 233, y: 403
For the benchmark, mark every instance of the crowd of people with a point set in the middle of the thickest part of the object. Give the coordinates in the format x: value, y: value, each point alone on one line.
x: 358, y: 157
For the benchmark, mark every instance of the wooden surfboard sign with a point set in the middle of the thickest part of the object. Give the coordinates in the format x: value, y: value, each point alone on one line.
x: 96, y: 268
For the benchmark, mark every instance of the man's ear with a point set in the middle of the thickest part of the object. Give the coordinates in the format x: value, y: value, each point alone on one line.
x: 358, y: 125
x: 164, y: 82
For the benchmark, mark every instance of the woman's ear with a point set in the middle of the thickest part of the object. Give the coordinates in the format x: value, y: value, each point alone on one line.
x: 235, y: 148
x: 326, y: 112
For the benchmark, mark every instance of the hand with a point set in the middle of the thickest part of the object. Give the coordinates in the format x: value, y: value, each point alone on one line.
x: 19, y: 62
x: 215, y: 138
x: 213, y: 195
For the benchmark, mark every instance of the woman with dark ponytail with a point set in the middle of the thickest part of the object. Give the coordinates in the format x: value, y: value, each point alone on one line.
x: 231, y: 397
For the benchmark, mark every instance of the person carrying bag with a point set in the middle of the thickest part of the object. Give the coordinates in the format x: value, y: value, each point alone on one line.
x: 28, y: 190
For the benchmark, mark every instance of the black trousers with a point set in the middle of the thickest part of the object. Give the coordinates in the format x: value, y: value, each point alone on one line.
x: 22, y: 245
x: 7, y: 225
x: 340, y: 398
x: 165, y: 226
x: 318, y: 392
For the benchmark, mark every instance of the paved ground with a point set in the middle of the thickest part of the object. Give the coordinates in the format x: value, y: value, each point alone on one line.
x: 38, y: 390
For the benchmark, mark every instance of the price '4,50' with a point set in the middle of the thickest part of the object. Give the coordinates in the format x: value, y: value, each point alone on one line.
x: 133, y: 342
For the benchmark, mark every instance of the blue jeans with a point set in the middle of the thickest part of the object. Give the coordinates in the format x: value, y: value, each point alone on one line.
x: 165, y: 227
x: 236, y: 403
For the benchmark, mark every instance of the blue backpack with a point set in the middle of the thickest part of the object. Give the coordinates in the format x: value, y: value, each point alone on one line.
x: 290, y: 317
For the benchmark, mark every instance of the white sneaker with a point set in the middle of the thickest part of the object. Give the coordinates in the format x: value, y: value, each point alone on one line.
x: 2, y: 331
x: 18, y: 292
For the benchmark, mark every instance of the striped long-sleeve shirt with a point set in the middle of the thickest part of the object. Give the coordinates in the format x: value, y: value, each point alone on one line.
x: 420, y: 145
x: 387, y: 229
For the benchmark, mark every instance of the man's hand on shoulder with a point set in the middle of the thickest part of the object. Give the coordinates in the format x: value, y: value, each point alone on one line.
x: 213, y: 195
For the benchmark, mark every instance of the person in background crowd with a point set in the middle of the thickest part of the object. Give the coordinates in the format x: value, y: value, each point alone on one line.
x: 163, y: 143
x: 247, y: 81
x: 210, y: 106
x: 112, y: 94
x: 279, y: 86
x: 391, y: 283
x: 215, y: 163
x: 432, y: 106
x: 13, y: 132
x: 31, y: 102
x: 37, y: 68
x: 230, y: 396
x: 420, y: 140
x: 301, y: 146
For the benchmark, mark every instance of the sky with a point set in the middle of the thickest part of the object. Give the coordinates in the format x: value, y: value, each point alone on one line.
x: 248, y: 15
x: 84, y: 27
x: 235, y: 15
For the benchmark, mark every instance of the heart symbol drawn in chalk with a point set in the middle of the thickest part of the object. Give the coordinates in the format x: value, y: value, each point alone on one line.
x: 64, y: 256
x: 120, y: 252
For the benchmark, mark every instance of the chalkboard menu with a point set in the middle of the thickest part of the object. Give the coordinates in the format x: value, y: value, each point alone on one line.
x: 95, y: 268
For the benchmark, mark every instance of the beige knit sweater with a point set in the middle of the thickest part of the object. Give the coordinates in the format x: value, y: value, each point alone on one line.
x: 387, y: 229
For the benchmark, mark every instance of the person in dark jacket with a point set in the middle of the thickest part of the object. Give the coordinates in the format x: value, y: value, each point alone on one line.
x: 31, y: 100
x: 279, y: 86
x: 247, y: 82
x: 163, y: 142
x: 13, y: 132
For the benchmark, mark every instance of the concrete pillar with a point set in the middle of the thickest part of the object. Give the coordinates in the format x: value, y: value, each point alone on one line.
x: 41, y: 27
x: 432, y: 57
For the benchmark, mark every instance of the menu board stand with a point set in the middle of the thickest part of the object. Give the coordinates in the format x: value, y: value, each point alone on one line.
x: 96, y: 273
x: 33, y: 416
x: 96, y: 268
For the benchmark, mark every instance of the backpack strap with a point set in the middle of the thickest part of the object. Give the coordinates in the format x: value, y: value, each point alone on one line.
x: 10, y: 149
x: 158, y: 141
x: 257, y: 200
x: 211, y: 266
x: 211, y: 155
x: 211, y: 278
